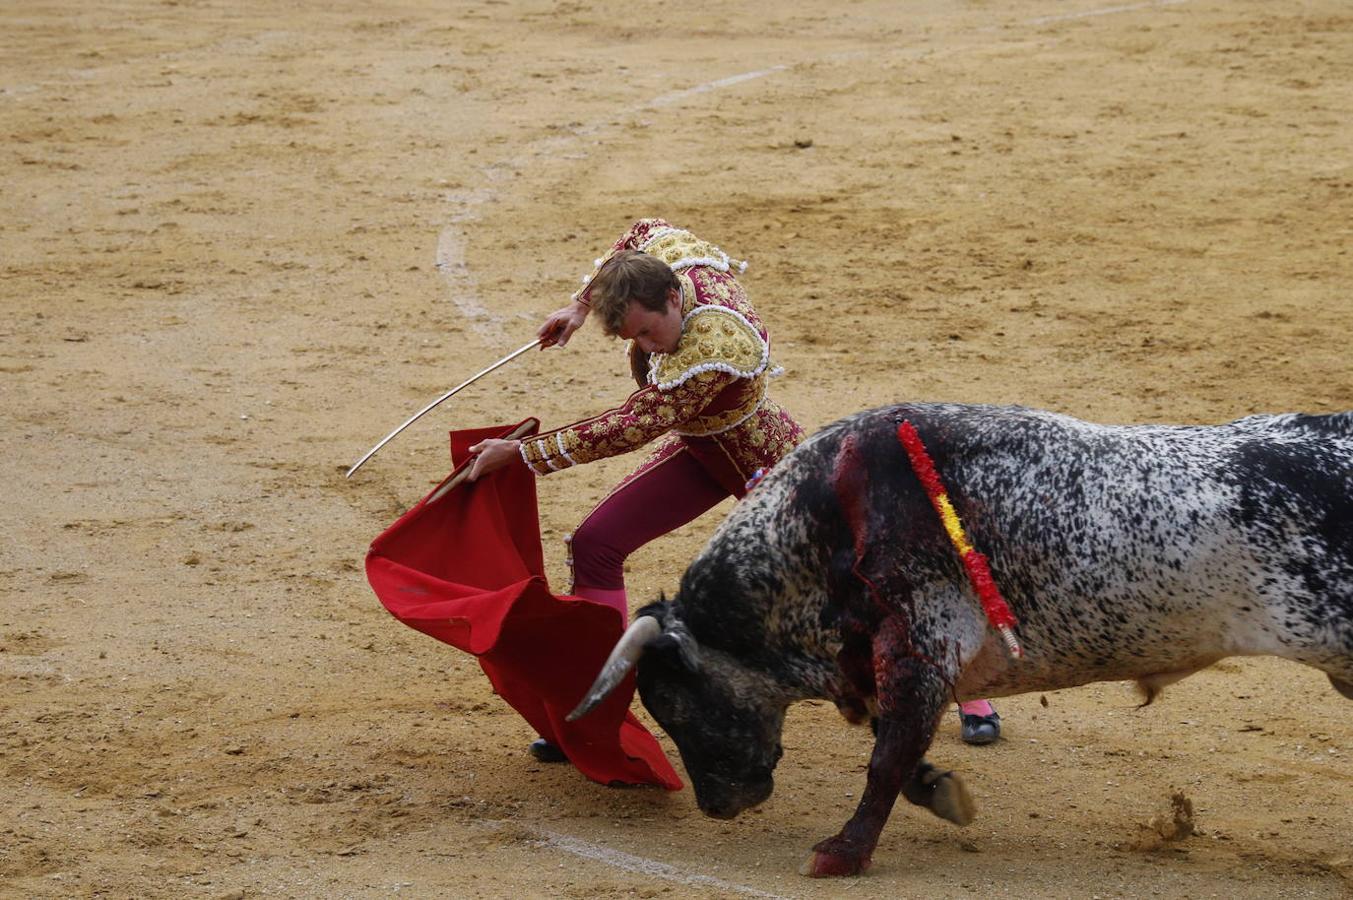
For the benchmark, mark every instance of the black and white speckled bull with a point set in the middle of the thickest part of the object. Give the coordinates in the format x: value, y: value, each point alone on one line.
x: 1143, y: 553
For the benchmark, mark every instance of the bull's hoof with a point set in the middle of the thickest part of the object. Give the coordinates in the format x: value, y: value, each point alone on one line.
x: 952, y: 800
x: 943, y: 793
x: 834, y: 865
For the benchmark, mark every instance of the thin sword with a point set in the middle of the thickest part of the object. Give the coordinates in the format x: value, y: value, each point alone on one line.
x: 433, y: 405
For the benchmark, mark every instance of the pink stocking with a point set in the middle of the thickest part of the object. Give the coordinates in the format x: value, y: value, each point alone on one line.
x: 616, y: 600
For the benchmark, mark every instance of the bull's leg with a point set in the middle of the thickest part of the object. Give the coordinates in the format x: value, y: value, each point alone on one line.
x: 896, y: 762
x: 912, y: 699
x: 941, y: 792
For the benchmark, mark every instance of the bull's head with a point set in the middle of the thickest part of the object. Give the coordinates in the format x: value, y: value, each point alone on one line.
x: 724, y: 717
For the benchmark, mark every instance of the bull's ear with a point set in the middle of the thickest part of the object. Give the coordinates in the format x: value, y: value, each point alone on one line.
x: 674, y: 634
x: 658, y: 609
x: 690, y: 652
x: 677, y: 639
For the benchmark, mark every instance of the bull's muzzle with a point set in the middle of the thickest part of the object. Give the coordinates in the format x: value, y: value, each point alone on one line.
x: 722, y: 799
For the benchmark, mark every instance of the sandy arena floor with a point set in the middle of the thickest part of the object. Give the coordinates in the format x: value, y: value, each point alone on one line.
x: 241, y: 241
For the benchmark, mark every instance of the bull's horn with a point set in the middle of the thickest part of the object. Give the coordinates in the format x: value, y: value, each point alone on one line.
x: 626, y: 653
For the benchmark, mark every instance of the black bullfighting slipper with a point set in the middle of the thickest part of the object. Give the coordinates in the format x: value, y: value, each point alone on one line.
x: 981, y: 729
x: 546, y: 752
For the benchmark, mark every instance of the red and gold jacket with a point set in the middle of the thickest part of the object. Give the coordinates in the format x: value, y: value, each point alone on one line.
x: 710, y: 391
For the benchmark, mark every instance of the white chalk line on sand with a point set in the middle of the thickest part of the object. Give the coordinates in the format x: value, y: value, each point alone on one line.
x: 643, y: 866
x: 450, y: 260
x: 678, y: 96
x: 464, y: 293
x: 1102, y: 11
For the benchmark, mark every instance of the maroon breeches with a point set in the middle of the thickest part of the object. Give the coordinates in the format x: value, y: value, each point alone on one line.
x: 670, y: 489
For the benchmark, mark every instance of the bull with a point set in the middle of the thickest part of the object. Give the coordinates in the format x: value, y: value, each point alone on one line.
x: 1139, y: 553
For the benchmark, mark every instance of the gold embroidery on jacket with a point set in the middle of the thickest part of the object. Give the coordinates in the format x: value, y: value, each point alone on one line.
x: 713, y: 338
x: 753, y: 394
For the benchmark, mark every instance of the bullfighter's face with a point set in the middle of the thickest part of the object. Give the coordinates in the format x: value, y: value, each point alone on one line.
x: 725, y: 723
x: 654, y: 331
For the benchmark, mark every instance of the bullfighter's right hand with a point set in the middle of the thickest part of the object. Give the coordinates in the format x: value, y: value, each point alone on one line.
x: 561, y: 324
x: 492, y: 454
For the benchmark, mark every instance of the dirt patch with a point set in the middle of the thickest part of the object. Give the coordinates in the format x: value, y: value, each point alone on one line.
x: 242, y: 242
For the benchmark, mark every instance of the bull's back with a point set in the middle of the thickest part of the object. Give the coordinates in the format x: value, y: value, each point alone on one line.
x: 1121, y: 549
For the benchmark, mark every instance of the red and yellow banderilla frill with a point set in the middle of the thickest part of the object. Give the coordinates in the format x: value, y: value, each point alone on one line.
x: 979, y: 572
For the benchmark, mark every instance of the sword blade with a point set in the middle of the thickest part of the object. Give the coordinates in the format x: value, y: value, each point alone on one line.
x: 435, y: 403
